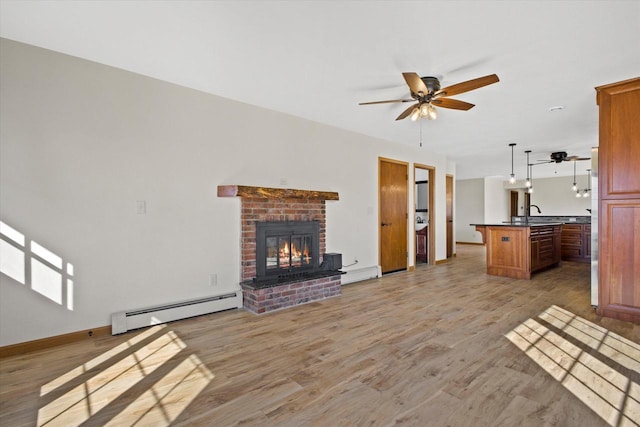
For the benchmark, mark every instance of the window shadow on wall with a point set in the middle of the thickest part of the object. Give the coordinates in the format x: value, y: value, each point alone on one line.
x: 31, y: 264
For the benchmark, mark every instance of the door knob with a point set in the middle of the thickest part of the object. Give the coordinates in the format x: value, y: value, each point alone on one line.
x: 384, y: 224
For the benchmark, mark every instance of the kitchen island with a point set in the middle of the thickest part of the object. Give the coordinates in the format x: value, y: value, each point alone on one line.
x: 519, y: 249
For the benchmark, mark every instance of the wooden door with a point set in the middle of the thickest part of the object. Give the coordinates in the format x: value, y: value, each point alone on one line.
x: 393, y: 191
x: 449, y: 190
x: 619, y: 201
x: 514, y: 203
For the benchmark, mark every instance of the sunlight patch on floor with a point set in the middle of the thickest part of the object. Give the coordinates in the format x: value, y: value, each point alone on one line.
x: 608, y: 392
x: 159, y: 404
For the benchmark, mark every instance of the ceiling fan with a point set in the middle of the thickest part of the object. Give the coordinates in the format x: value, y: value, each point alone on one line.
x: 561, y: 156
x: 428, y: 94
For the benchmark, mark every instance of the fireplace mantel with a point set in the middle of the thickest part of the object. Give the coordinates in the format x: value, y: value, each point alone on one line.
x: 249, y: 192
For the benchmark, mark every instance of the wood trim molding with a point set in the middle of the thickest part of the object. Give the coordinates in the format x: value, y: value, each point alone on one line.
x: 470, y: 243
x: 441, y: 261
x: 45, y: 343
x: 273, y: 193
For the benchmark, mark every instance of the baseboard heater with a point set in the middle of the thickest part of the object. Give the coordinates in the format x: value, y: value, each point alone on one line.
x: 127, y: 320
x: 360, y: 274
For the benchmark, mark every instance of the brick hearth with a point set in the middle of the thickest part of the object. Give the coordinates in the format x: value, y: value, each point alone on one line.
x: 281, y: 296
x: 268, y: 204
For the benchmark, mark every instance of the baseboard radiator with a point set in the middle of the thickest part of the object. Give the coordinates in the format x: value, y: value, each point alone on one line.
x: 360, y: 274
x: 127, y: 320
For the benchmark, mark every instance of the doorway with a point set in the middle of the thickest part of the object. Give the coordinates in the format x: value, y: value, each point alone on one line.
x: 513, y: 210
x: 393, y: 181
x: 425, y: 226
x: 449, y: 191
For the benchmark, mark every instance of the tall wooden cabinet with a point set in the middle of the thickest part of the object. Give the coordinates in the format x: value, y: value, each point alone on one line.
x: 619, y: 200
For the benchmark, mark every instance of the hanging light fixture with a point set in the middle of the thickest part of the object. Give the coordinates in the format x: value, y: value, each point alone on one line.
x: 512, y: 177
x: 530, y: 174
x: 587, y: 191
x: 527, y: 183
x: 575, y: 186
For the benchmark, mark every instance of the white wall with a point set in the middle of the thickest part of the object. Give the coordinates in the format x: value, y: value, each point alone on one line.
x: 469, y: 205
x: 486, y: 200
x: 554, y: 196
x: 496, y: 201
x: 81, y: 143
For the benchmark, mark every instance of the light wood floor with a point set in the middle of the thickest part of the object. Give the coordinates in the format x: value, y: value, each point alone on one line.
x: 445, y: 345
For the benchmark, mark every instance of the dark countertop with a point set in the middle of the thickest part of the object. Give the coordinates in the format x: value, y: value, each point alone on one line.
x: 564, y: 219
x: 519, y: 224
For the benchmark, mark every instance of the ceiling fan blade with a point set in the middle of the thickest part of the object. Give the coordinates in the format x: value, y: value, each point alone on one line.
x: 468, y: 85
x: 408, y: 111
x: 415, y: 83
x: 386, y: 102
x: 452, y: 103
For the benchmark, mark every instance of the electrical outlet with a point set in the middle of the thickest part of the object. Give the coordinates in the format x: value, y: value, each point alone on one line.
x: 213, y: 279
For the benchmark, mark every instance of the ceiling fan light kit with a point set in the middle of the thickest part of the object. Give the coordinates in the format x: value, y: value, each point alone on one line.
x: 427, y: 94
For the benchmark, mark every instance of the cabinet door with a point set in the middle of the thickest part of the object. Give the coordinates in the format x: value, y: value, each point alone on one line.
x: 619, y: 278
x: 535, y: 254
x: 619, y: 153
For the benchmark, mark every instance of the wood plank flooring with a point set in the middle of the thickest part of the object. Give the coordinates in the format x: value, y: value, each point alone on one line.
x: 444, y: 345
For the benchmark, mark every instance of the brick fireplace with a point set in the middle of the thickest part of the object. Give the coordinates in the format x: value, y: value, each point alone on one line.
x: 261, y: 204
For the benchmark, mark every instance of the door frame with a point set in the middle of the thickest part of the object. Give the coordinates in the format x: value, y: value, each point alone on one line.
x: 450, y: 205
x: 406, y: 164
x: 431, y: 244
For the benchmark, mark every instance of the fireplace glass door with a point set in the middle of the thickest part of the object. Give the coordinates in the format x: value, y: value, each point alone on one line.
x: 286, y: 248
x: 286, y: 252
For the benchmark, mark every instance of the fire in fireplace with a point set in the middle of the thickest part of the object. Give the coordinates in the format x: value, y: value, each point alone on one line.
x: 286, y: 250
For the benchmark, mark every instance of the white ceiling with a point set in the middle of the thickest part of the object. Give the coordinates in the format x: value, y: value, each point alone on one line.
x: 319, y: 59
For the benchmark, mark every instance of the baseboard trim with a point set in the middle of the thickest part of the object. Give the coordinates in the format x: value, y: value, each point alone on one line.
x: 441, y: 261
x: 45, y: 343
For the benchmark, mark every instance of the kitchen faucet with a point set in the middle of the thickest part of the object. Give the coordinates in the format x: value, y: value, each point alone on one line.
x: 528, y: 212
x: 534, y: 206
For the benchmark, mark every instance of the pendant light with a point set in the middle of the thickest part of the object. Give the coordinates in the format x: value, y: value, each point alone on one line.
x: 512, y: 177
x: 575, y: 186
x: 527, y: 183
x: 587, y: 190
x: 530, y: 178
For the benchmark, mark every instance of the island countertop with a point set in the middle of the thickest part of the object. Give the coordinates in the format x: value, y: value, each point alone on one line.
x: 518, y: 224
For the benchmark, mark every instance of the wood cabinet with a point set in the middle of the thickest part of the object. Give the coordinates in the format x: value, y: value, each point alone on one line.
x: 545, y: 246
x: 619, y: 200
x: 519, y: 251
x: 576, y: 242
x: 421, y: 244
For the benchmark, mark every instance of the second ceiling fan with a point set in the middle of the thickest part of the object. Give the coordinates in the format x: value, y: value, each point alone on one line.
x: 428, y: 94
